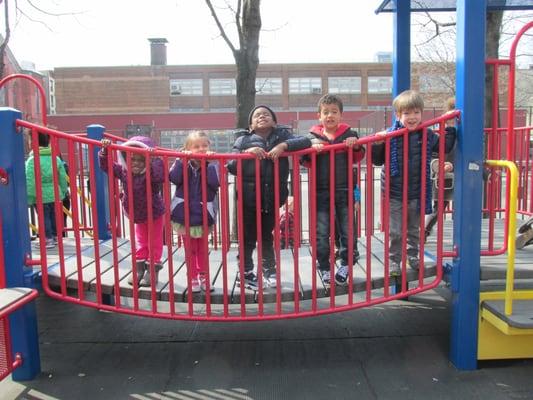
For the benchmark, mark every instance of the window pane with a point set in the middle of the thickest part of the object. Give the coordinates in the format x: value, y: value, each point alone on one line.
x: 305, y: 85
x: 222, y: 87
x: 185, y: 87
x: 344, y: 84
x: 379, y: 84
x: 268, y: 86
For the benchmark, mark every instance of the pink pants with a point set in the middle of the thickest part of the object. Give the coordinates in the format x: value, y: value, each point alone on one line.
x: 197, y: 256
x: 143, y: 239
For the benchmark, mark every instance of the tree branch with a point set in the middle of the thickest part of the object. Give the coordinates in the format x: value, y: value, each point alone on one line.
x: 220, y: 28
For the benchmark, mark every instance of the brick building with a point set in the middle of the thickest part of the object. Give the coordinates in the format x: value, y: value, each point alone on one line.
x: 167, y: 101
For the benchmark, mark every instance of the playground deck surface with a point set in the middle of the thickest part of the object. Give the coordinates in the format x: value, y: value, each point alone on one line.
x: 492, y: 269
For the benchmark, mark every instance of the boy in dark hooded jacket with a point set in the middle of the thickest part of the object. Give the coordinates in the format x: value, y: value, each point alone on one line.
x: 267, y: 142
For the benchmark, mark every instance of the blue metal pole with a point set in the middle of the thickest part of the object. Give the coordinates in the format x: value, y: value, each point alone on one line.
x: 96, y: 132
x: 471, y: 16
x: 401, y: 55
x: 14, y: 208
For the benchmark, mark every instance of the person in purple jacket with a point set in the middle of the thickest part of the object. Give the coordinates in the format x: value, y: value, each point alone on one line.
x: 144, y: 252
x: 197, y: 142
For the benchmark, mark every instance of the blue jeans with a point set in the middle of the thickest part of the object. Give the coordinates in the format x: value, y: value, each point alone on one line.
x: 50, y: 228
x: 341, y: 223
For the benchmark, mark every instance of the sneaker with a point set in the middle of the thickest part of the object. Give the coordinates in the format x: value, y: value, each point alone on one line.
x: 524, y: 239
x: 413, y: 263
x: 269, y: 278
x: 394, y: 269
x: 195, y: 286
x: 341, y: 277
x: 50, y: 244
x: 325, y: 276
x: 250, y: 280
x: 148, y: 279
x: 203, y: 284
x: 526, y: 225
x: 140, y: 269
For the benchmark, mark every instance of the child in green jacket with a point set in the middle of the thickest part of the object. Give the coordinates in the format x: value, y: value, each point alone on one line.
x: 47, y: 184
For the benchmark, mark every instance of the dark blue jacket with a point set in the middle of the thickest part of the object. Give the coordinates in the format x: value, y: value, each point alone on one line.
x: 414, y: 161
x: 251, y: 139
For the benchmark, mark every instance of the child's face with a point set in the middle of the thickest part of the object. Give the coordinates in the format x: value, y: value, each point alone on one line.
x: 410, y: 118
x: 330, y: 116
x: 138, y: 164
x: 262, y: 119
x: 200, y: 145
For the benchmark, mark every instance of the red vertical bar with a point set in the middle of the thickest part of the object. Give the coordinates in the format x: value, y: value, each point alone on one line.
x: 296, y: 233
x: 332, y: 227
x: 259, y: 228
x: 96, y: 241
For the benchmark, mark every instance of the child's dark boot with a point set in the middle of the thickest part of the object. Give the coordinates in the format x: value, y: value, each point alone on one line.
x: 140, y: 267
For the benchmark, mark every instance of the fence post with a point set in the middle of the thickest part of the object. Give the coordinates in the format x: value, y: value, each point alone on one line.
x: 96, y: 132
x: 15, y: 221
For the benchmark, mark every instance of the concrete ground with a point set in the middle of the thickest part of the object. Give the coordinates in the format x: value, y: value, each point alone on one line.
x: 395, y: 351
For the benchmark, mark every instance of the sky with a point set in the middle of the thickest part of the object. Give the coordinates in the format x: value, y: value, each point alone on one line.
x: 116, y: 32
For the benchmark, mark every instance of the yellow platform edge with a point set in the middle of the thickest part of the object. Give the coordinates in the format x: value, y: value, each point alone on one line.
x: 496, y: 339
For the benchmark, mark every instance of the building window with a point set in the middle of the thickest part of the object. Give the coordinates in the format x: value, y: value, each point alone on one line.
x: 186, y: 87
x: 379, y: 84
x: 268, y: 86
x: 344, y: 84
x: 435, y: 83
x: 305, y: 85
x: 222, y: 87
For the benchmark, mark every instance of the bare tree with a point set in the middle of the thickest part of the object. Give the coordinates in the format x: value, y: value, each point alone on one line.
x: 30, y: 11
x: 7, y: 36
x: 436, y: 49
x: 247, y: 21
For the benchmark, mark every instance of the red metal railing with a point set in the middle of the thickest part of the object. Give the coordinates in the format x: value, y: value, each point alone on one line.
x: 92, y: 279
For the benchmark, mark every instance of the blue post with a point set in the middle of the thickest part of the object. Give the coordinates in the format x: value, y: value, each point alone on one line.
x: 14, y: 208
x: 401, y: 56
x: 96, y: 132
x: 471, y: 16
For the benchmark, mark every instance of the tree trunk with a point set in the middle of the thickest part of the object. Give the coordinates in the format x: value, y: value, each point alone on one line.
x: 247, y: 60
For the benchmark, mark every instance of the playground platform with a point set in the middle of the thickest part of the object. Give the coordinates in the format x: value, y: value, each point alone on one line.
x: 493, y: 270
x: 397, y: 350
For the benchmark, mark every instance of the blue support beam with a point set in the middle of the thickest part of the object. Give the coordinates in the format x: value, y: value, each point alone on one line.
x: 401, y: 55
x: 471, y: 17
x: 15, y: 222
x: 96, y: 132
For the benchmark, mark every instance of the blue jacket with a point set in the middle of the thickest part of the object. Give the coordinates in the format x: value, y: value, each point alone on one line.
x: 414, y: 162
x: 177, y: 206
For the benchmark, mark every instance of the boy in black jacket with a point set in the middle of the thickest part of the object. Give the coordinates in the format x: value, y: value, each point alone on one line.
x: 331, y: 131
x: 267, y: 142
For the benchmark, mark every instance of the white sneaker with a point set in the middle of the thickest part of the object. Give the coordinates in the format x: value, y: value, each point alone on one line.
x: 195, y: 286
x: 341, y: 277
x: 50, y: 243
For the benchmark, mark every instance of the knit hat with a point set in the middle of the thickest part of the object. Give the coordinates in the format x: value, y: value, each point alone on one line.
x: 261, y: 106
x: 135, y: 141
